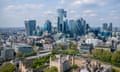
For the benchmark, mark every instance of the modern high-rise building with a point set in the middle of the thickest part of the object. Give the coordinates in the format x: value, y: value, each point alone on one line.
x: 48, y: 26
x: 78, y: 27
x: 71, y: 26
x: 30, y: 26
x: 105, y: 27
x: 38, y: 31
x: 110, y: 27
x: 61, y: 24
x: 107, y: 30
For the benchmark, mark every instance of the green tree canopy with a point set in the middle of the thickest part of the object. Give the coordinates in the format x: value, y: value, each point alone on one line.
x: 72, y: 45
x: 52, y: 69
x: 19, y: 54
x: 8, y: 67
x: 116, y: 58
x: 74, y: 66
x: 59, y: 46
x: 107, y: 56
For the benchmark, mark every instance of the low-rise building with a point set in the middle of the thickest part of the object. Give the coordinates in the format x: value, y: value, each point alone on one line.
x: 22, y: 48
x: 7, y: 53
x: 86, y: 47
x: 62, y: 63
x: 48, y: 46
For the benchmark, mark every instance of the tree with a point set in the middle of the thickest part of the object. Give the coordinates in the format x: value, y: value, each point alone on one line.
x: 8, y: 67
x: 107, y: 56
x: 29, y: 54
x: 74, y: 66
x: 114, y: 70
x: 116, y: 58
x: 59, y: 46
x: 19, y: 54
x: 52, y: 69
x: 72, y: 45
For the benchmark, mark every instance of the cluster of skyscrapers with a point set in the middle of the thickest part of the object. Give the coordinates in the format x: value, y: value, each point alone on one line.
x: 71, y: 27
x: 33, y: 30
x: 107, y: 29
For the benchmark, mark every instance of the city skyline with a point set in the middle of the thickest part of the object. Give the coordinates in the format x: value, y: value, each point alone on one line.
x: 14, y: 12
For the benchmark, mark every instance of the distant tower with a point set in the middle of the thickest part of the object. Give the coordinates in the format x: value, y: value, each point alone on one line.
x: 105, y: 27
x: 72, y: 28
x: 61, y: 24
x: 48, y: 26
x: 110, y: 27
x: 30, y: 27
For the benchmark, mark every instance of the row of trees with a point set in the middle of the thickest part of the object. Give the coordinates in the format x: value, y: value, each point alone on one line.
x: 25, y: 55
x: 8, y: 67
x: 67, y: 51
x: 71, y: 45
x: 71, y: 49
x: 52, y: 69
x: 107, y: 56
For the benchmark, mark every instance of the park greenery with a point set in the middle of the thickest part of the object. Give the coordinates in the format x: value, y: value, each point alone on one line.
x: 67, y: 51
x: 8, y: 67
x: 115, y: 70
x: 19, y: 54
x: 52, y: 69
x: 30, y: 54
x: 41, y: 62
x: 107, y: 56
x: 74, y: 66
x: 61, y: 49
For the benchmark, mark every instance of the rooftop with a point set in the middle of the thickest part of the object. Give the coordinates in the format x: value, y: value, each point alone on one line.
x: 21, y: 45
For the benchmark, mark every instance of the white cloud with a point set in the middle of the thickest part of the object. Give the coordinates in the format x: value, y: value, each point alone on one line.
x: 116, y: 17
x: 24, y: 6
x: 62, y: 1
x: 102, y: 4
x: 48, y: 12
x: 76, y: 3
x: 87, y: 11
x: 93, y: 14
x: 80, y: 2
x: 88, y: 1
x: 102, y: 19
x: 72, y: 11
x: 5, y: 0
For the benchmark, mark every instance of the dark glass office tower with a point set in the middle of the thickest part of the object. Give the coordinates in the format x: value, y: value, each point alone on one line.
x: 62, y: 21
x: 30, y: 26
x: 48, y: 26
x: 110, y: 27
x: 105, y: 27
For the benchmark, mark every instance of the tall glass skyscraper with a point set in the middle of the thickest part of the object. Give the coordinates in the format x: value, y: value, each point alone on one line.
x: 30, y: 26
x: 110, y: 27
x: 62, y: 21
x: 105, y: 27
x: 107, y: 30
x: 76, y: 27
x: 48, y: 26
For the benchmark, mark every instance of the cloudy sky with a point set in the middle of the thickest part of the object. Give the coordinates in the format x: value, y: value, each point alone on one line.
x: 95, y: 12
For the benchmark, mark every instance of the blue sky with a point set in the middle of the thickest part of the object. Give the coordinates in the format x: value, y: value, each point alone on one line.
x: 95, y: 12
